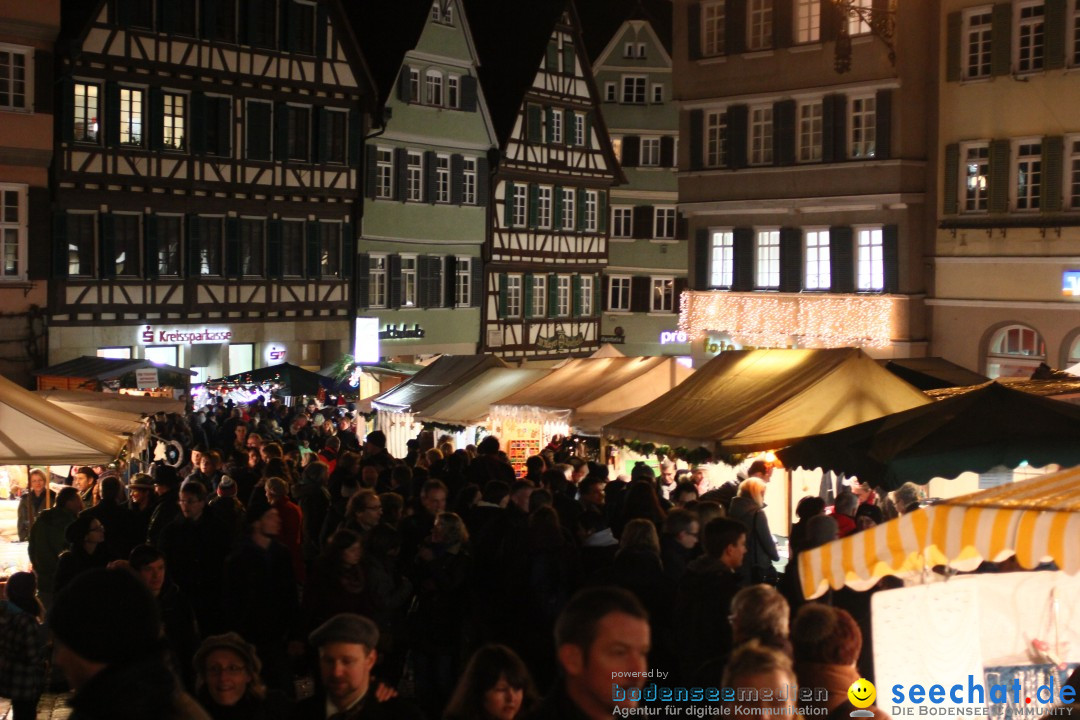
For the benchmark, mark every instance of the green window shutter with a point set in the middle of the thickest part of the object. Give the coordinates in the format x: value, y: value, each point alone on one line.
x: 999, y: 176
x: 954, y: 26
x: 738, y: 117
x: 883, y: 127
x: 508, y: 204
x: 575, y: 295
x: 553, y: 295
x: 1054, y: 57
x: 528, y: 302
x: 1001, y: 39
x: 401, y: 173
x: 842, y: 259
x: 106, y: 246
x: 393, y: 284
x: 274, y: 249
x: 693, y: 30
x: 534, y: 205
x: 356, y: 136
x: 533, y: 124
x: 556, y: 208
x: 150, y: 247
x: 502, y: 296
x: 1053, y: 149
x: 601, y: 211
x: 743, y: 252
x: 404, y: 84
x: 371, y: 172
x: 155, y: 118
x: 588, y: 129
x: 476, y: 289
x: 700, y: 259
x: 549, y: 125
x: 951, y: 191
x: 580, y: 210
x: 363, y: 280
x: 430, y: 162
x: 890, y: 258
x: 791, y: 259
x: 348, y: 251
x: 551, y: 60
x: 697, y: 139
x: 568, y: 59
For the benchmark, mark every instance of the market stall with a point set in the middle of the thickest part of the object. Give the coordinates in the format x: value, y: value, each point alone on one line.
x: 579, y: 398
x: 134, y: 376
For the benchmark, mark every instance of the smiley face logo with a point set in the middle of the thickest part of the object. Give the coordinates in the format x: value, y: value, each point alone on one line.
x: 862, y: 693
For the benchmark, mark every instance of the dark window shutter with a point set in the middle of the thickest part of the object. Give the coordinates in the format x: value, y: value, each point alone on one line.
x: 783, y: 20
x: 883, y: 128
x: 605, y: 296
x: 468, y: 93
x: 401, y: 173
x: 193, y: 246
x: 167, y: 20
x: 43, y: 82
x: 842, y: 259
x: 588, y: 129
x: 533, y: 124
x: 39, y: 219
x: 954, y: 24
x: 150, y: 247
x: 556, y: 208
x: 371, y: 171
x: 503, y: 295
x: 483, y: 181
x: 356, y: 137
x: 423, y: 281
x: 682, y: 227
x: 693, y: 30
x: 112, y: 113
x: 1053, y: 149
x: 404, y: 84
x: 232, y: 247
x: 697, y: 139
x: 999, y: 175
x: 363, y: 280
x: 575, y: 296
x: 311, y: 261
x: 701, y: 259
x: 631, y: 151
x: 737, y: 136
x: 553, y: 295
x: 791, y: 260
x: 601, y: 211
x: 834, y: 128
x: 643, y: 222
x: 548, y: 125
x: 60, y: 259
x: 534, y: 205
x: 107, y: 246
x: 320, y: 30
x: 551, y: 60
x: 450, y: 286
x: 281, y: 132
x: 831, y: 19
x: 435, y: 299
x: 429, y: 176
x: 476, y: 289
x: 667, y: 151
x: 568, y: 60
x: 743, y: 252
x: 457, y: 173
x: 348, y: 250
x: 890, y: 258
x: 258, y: 126
x: 393, y: 284
x: 951, y: 191
x: 1001, y: 39
x: 274, y: 249
x: 735, y: 26
x: 321, y: 142
x: 579, y: 210
x: 224, y: 126
x: 508, y: 204
x: 67, y: 117
x: 154, y: 118
x: 784, y: 132
x: 676, y: 302
x: 640, y: 289
x: 1055, y: 20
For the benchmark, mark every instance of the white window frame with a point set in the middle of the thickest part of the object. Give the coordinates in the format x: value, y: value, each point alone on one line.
x: 1020, y: 359
x: 513, y: 295
x: 415, y: 87
x: 174, y: 124
x: 767, y: 259
x: 862, y: 127
x: 27, y: 81
x: 433, y: 88
x: 384, y: 173
x: 664, y: 222
x: 622, y: 221
x: 713, y: 27
x: 1034, y: 61
x: 816, y: 259
x: 556, y: 117
x: 759, y: 25
x: 1030, y: 199
x: 611, y: 92
x: 544, y: 195
x: 633, y: 88
x: 453, y: 91
x: 628, y: 50
x: 16, y: 227
x: 856, y: 24
x: 585, y: 299
x: 436, y: 11
x: 1072, y: 154
x: 715, y: 137
x: 807, y: 21
x: 661, y: 293
x: 442, y: 178
x: 179, y: 246
x: 976, y: 42
x: 579, y: 129
x: 811, y: 131
x: 761, y: 135
x: 564, y: 288
x: 378, y: 280
x: 409, y: 280
x: 869, y: 258
x: 414, y: 177
x: 463, y: 281
x: 88, y: 113
x: 591, y: 204
x: 658, y: 93
x: 1074, y: 35
x: 619, y: 288
x: 520, y: 212
x: 569, y: 206
x: 641, y: 51
x: 721, y: 257
x: 649, y: 155
x: 538, y: 298
x: 975, y: 188
x: 468, y: 181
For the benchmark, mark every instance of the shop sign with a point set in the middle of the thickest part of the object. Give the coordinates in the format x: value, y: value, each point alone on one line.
x: 1070, y: 283
x: 613, y: 339
x: 151, y: 335
x: 560, y: 341
x: 671, y: 337
x: 393, y: 332
x: 366, y: 344
x: 147, y: 379
x: 275, y: 354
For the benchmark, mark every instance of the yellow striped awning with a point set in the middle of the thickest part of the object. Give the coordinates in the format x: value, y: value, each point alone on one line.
x: 1038, y: 520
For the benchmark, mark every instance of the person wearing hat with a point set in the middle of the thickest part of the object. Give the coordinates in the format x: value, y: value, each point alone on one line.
x: 115, y: 664
x: 346, y: 645
x: 228, y: 683
x: 88, y: 550
x: 84, y: 479
x: 167, y: 504
x: 48, y: 538
x: 227, y: 508
x: 141, y: 503
x: 115, y: 515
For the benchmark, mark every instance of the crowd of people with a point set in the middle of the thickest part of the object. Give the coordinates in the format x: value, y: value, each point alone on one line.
x: 287, y: 550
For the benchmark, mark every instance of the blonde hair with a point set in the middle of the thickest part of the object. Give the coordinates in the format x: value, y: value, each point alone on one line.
x: 640, y: 533
x: 753, y: 488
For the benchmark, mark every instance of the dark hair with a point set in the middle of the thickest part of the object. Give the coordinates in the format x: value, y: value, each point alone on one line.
x: 430, y: 485
x: 338, y: 543
x: 194, y: 487
x: 486, y: 667
x: 589, y: 482
x: 719, y: 534
x: 825, y: 634
x: 495, y: 491
x: 535, y: 464
x: 358, y: 501
x: 809, y: 506
x: 21, y: 592
x: 642, y: 502
x: 578, y: 620
x: 683, y: 488
x: 87, y: 471
x: 679, y: 520
x: 488, y: 446
x: 272, y: 450
x: 143, y: 555
x: 554, y: 480
x: 758, y: 466
x: 381, y: 541
x: 377, y: 438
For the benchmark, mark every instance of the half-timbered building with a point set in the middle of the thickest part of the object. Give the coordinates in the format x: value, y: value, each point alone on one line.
x: 207, y: 176
x: 547, y: 245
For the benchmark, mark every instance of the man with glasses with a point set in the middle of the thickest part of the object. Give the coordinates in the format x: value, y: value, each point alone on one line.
x: 678, y: 545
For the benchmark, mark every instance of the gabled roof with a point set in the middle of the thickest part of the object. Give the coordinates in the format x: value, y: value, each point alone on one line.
x: 96, y: 368
x: 386, y: 30
x: 601, y: 19
x: 434, y: 382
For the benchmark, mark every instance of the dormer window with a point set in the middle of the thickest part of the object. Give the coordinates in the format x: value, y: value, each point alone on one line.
x: 442, y: 11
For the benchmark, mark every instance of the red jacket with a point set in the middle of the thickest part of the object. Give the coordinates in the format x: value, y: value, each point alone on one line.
x: 291, y: 523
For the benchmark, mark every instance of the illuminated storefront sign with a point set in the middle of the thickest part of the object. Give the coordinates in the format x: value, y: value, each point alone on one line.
x: 393, y: 332
x: 366, y: 345
x: 275, y: 354
x: 183, y: 336
x: 671, y: 337
x: 1070, y: 283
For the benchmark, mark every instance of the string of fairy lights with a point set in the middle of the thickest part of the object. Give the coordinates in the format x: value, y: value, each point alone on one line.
x: 783, y: 320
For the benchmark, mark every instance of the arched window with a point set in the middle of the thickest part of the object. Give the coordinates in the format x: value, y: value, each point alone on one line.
x: 1074, y: 353
x: 1015, y: 351
x: 434, y: 87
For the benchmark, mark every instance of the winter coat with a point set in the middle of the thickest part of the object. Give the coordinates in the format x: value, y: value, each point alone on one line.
x: 22, y: 653
x: 30, y: 506
x: 760, y: 547
x: 47, y: 541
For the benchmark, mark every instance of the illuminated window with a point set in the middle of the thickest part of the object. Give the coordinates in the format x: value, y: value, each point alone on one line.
x: 1015, y: 351
x: 173, y: 120
x: 13, y: 229
x: 818, y: 273
x: 863, y: 127
x: 857, y: 21
x: 1027, y: 175
x: 767, y: 260
x: 807, y: 21
x: 86, y: 112
x: 870, y: 260
x: 722, y: 258
x: 663, y: 294
x: 976, y: 191
x: 810, y: 130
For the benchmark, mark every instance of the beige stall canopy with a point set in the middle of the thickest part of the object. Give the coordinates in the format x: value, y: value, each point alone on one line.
x: 434, y: 382
x: 134, y: 404
x: 468, y: 404
x: 599, y: 390
x: 750, y: 400
x: 33, y: 431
